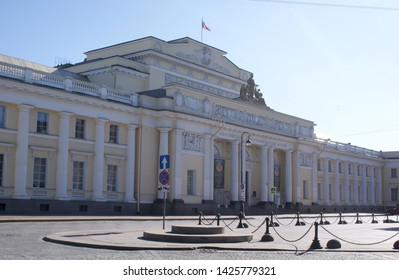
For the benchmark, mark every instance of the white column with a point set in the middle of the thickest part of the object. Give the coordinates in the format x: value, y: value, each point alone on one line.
x: 212, y: 167
x: 98, y: 170
x: 130, y: 163
x: 21, y: 156
x: 288, y: 176
x: 177, y: 166
x: 270, y: 173
x: 356, y: 184
x: 297, y: 178
x: 372, y: 186
x: 364, y: 185
x: 164, y: 150
x: 346, y: 184
x: 243, y: 187
x: 326, y: 183
x: 62, y: 157
x: 263, y: 173
x: 337, y: 191
x: 379, y: 186
x: 315, y: 195
x: 234, y: 172
x: 207, y: 186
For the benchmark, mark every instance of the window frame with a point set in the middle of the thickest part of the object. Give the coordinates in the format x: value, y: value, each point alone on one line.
x: 39, y: 176
x: 80, y: 128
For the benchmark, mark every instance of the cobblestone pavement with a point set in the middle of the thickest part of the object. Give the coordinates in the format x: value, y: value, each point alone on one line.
x: 23, y: 240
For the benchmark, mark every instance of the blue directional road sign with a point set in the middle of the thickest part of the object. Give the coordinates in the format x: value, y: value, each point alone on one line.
x: 164, y: 162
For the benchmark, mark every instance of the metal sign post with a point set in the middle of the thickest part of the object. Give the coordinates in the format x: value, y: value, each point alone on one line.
x: 163, y: 178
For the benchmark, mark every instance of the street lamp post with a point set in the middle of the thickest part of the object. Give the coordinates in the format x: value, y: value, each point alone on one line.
x: 243, y: 169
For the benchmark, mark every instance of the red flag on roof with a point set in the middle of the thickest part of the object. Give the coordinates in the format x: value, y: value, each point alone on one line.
x: 204, y: 26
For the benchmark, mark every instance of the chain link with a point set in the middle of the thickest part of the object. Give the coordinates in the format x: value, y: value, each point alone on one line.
x: 279, y: 221
x: 296, y: 240
x: 358, y: 243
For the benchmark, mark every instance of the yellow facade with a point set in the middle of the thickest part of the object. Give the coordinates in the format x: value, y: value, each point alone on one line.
x: 91, y: 135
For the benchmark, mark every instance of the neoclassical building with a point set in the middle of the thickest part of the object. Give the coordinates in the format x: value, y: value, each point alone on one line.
x: 147, y: 118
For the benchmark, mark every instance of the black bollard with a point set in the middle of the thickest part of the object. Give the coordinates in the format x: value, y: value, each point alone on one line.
x: 341, y: 221
x: 316, y: 242
x: 200, y: 219
x: 321, y: 220
x: 272, y: 223
x: 298, y: 223
x: 267, y: 237
x: 218, y: 219
x: 241, y: 224
x: 374, y: 221
x: 358, y: 221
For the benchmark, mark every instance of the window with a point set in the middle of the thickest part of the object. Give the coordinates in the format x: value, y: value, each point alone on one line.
x: 305, y: 190
x: 394, y: 194
x: 340, y: 167
x: 1, y: 169
x: 318, y: 165
x: 330, y: 191
x: 349, y: 169
x: 42, y: 122
x: 191, y: 186
x: 39, y: 172
x: 2, y: 116
x: 329, y: 166
x: 78, y: 175
x: 113, y: 133
x: 80, y: 129
x: 394, y: 173
x: 112, y: 178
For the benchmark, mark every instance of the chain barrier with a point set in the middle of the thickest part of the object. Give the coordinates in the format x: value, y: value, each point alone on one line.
x: 358, y: 243
x: 249, y: 223
x: 264, y: 221
x: 202, y: 217
x: 228, y: 225
x: 296, y: 240
x: 279, y: 221
x: 306, y: 222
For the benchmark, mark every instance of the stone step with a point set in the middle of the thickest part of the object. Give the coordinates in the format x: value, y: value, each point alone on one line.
x: 197, y: 229
x: 165, y: 236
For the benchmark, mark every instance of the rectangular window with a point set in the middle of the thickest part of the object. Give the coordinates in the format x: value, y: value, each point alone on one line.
x: 191, y: 186
x: 394, y: 173
x: 318, y: 165
x: 349, y: 169
x: 340, y: 167
x: 329, y: 166
x: 1, y: 169
x: 305, y: 189
x: 330, y: 191
x: 78, y: 175
x: 39, y: 172
x: 42, y: 122
x: 112, y: 178
x: 2, y: 116
x: 80, y: 129
x: 394, y: 195
x: 113, y: 133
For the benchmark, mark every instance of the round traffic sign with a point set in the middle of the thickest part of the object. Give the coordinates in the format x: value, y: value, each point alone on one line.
x: 164, y: 177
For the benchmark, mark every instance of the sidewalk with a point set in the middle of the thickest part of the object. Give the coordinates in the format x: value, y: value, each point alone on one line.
x: 366, y: 237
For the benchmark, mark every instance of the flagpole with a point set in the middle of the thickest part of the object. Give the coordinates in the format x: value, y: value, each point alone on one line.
x: 202, y: 29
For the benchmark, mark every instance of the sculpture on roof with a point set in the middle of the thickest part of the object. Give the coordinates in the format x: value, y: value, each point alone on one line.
x: 249, y: 92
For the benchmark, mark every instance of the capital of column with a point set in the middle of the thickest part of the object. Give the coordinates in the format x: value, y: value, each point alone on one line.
x: 25, y: 107
x: 131, y: 126
x: 65, y: 115
x: 101, y: 121
x: 164, y: 129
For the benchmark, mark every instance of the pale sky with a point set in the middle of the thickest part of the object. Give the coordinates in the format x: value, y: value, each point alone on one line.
x: 335, y: 64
